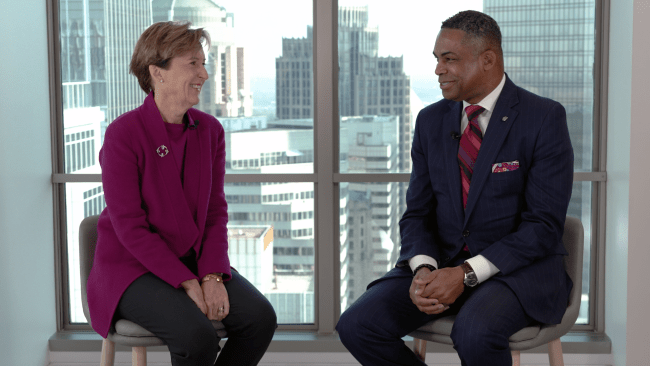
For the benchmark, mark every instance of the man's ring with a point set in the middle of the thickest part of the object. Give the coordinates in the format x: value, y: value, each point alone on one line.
x: 221, y: 310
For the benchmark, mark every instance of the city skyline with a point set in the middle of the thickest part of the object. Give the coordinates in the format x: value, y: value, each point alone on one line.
x: 425, y: 19
x: 95, y: 92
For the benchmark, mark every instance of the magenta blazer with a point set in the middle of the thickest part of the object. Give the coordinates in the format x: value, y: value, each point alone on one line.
x: 151, y: 219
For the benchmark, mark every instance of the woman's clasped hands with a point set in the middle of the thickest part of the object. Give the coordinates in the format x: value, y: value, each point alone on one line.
x: 211, y: 297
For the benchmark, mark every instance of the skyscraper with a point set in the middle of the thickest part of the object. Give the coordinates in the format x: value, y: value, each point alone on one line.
x: 96, y: 88
x: 368, y: 84
x: 369, y: 247
x: 294, y: 73
x: 226, y: 93
x: 549, y: 50
x: 124, y: 22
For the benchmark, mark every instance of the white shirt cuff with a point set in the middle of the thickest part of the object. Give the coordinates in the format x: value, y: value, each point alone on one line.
x: 483, y: 268
x: 420, y: 259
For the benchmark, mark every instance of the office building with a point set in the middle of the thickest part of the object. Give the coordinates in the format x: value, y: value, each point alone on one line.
x: 226, y: 93
x: 368, y: 84
x: 370, y: 246
x: 250, y: 255
x: 548, y: 49
x: 123, y: 90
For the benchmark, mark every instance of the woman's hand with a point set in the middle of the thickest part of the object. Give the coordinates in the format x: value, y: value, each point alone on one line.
x: 195, y: 292
x: 216, y: 299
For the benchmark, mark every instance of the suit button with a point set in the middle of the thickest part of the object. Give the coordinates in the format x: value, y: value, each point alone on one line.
x: 466, y: 233
x: 447, y: 259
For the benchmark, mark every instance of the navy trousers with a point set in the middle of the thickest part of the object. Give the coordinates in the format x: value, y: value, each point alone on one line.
x: 487, y: 315
x: 172, y: 316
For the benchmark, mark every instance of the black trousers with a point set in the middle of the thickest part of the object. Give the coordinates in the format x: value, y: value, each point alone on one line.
x: 172, y: 316
x: 487, y: 315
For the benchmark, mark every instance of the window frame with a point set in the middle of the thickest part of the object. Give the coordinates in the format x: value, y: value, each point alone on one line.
x: 326, y: 177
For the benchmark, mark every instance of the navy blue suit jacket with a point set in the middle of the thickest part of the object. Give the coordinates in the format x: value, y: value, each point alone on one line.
x: 515, y: 219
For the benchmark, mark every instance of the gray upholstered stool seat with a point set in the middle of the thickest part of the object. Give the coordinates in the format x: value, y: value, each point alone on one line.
x: 130, y: 334
x: 530, y: 337
x: 440, y: 331
x: 125, y: 332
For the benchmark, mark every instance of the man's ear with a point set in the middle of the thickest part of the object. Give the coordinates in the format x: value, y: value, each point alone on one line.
x: 488, y: 59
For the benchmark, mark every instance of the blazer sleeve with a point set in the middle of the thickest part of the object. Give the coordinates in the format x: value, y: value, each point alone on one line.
x: 214, y: 250
x: 418, y: 224
x: 121, y: 178
x: 546, y: 198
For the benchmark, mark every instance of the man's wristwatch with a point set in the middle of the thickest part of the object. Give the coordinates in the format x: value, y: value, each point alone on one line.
x: 430, y: 267
x: 470, y: 276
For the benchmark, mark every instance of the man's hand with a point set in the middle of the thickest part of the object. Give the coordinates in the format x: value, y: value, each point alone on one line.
x: 444, y: 284
x: 426, y: 305
x: 216, y: 299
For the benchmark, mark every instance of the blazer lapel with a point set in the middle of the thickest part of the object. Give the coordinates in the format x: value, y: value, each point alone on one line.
x: 196, y: 164
x: 500, y: 123
x: 451, y: 123
x: 169, y: 174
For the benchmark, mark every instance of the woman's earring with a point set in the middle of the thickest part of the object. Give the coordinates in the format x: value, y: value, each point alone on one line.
x: 156, y: 90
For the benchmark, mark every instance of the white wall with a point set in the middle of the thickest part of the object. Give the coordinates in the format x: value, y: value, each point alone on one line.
x: 618, y: 176
x: 627, y: 321
x: 27, y: 302
x: 638, y: 295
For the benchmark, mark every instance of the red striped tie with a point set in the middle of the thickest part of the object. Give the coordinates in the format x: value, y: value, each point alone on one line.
x: 470, y: 143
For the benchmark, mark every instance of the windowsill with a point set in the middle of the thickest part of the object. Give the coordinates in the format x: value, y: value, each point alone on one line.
x: 300, y: 342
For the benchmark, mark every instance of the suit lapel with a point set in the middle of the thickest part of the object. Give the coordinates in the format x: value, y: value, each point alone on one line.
x: 451, y: 123
x: 170, y: 181
x: 492, y: 141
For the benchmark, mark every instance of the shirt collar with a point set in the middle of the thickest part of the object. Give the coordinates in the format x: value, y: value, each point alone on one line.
x: 491, y: 99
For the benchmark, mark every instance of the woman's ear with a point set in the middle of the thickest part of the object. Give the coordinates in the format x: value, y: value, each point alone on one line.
x: 155, y: 73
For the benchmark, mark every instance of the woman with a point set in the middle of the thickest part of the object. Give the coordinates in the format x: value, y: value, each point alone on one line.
x: 162, y: 251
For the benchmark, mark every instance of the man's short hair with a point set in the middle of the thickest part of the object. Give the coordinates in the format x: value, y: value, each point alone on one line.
x: 479, y: 27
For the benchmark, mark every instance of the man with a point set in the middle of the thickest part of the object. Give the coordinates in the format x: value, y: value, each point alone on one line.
x: 486, y: 205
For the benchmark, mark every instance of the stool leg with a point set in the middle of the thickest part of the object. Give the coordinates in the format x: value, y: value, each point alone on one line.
x: 420, y: 348
x: 108, y: 353
x: 516, y: 358
x: 555, y: 357
x: 139, y: 356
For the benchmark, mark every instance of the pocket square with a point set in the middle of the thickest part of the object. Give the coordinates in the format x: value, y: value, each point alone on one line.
x: 507, y: 166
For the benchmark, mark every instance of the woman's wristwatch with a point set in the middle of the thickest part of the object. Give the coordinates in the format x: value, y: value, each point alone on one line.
x: 213, y: 276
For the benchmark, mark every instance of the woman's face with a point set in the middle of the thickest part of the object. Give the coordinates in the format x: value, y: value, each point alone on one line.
x: 183, y: 79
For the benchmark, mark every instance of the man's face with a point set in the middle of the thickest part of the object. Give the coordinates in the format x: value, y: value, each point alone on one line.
x: 459, y: 69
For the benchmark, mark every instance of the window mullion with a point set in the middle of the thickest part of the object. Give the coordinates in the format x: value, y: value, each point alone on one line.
x: 325, y: 124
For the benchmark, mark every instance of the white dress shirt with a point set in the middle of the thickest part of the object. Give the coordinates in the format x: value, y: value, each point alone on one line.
x: 483, y: 268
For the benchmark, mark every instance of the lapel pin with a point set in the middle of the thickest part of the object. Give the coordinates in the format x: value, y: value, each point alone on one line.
x: 505, y: 118
x: 162, y: 150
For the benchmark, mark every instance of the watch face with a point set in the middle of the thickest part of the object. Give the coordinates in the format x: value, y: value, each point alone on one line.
x: 471, y: 280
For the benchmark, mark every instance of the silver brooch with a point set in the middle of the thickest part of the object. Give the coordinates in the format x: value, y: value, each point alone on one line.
x: 162, y: 150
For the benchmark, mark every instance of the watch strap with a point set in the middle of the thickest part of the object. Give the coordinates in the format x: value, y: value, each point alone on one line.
x: 470, y: 279
x: 429, y: 266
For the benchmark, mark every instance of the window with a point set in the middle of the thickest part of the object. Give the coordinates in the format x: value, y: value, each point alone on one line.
x: 378, y: 145
x: 279, y: 170
x: 95, y: 47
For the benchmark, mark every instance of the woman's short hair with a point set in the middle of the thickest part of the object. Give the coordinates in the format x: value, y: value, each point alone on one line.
x: 160, y: 43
